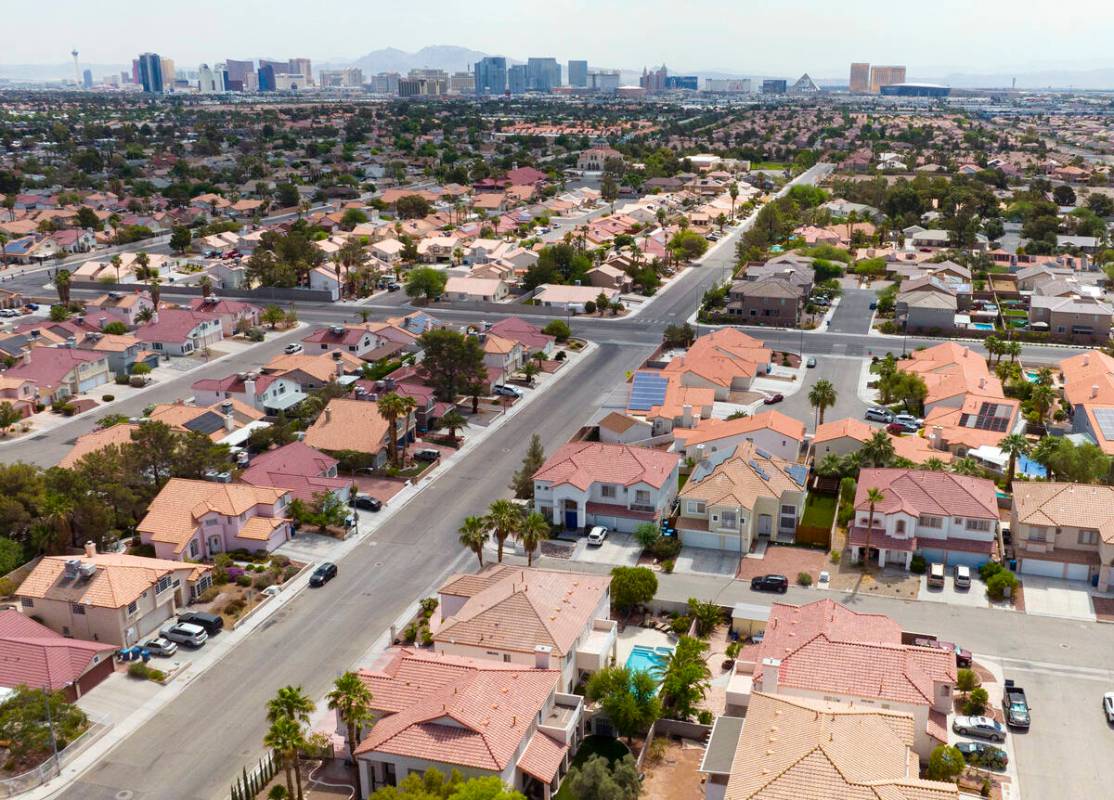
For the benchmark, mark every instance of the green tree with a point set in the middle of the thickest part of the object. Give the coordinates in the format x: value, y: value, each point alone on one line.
x: 413, y: 206
x: 272, y: 315
x: 180, y: 239
x: 351, y: 699
x: 534, y: 531
x: 632, y: 587
x: 453, y: 420
x: 597, y: 779
x: 8, y: 417
x: 473, y: 535
x: 873, y: 497
x: 453, y: 363
x: 685, y: 678
x: 558, y: 329
x: 87, y: 218
x: 678, y: 335
x: 62, y: 286
x: 286, y: 738
x: 286, y: 195
x: 1015, y: 445
x: 687, y: 245
x: 290, y: 702
x: 945, y: 763
x: 393, y: 407
x: 628, y: 697
x: 425, y: 283
x: 24, y: 725
x: 523, y: 481
x: 505, y: 520
x: 822, y: 396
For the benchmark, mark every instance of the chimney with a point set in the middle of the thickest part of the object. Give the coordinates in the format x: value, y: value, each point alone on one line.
x: 937, y: 437
x: 229, y: 419
x: 328, y: 415
x: 340, y: 366
x: 542, y: 655
x: 1094, y: 390
x: 249, y: 389
x: 90, y: 549
x: 686, y: 416
x: 982, y: 383
x: 770, y: 669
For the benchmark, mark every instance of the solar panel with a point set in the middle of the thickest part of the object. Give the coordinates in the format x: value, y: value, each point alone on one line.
x: 207, y: 423
x: 761, y: 472
x: 1105, y: 418
x: 799, y: 474
x: 647, y: 390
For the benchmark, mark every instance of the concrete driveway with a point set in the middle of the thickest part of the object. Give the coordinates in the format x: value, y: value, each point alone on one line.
x: 619, y: 549
x: 707, y: 562
x: 1050, y: 597
x: 974, y: 597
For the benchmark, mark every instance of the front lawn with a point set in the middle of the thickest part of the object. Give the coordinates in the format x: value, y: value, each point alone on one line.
x: 819, y: 512
x: 609, y: 748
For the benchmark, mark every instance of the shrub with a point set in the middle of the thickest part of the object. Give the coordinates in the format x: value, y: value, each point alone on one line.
x: 410, y: 633
x: 998, y: 583
x: 681, y: 624
x: 917, y: 564
x: 945, y: 763
x: 220, y: 576
x: 667, y: 566
x: 140, y: 368
x: 209, y: 595
x: 137, y: 669
x: 234, y: 607
x: 705, y: 717
x: 990, y: 569
x: 278, y: 792
x: 733, y: 649
x: 289, y: 572
x: 7, y: 587
x: 261, y: 582
x: 426, y: 637
x: 155, y: 674
x: 835, y: 556
x: 428, y: 605
x: 280, y: 561
x: 976, y: 701
x: 966, y: 680
x: 107, y: 398
x: 804, y: 579
x: 666, y: 547
x: 122, y: 380
x: 244, y: 580
x: 646, y: 534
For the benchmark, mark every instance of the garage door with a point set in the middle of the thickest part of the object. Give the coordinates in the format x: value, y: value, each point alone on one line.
x: 1047, y: 569
x: 933, y: 556
x: 152, y: 621
x: 965, y: 558
x: 710, y: 541
x: 1078, y: 572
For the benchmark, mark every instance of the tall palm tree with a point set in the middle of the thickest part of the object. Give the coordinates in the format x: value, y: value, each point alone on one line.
x: 142, y: 263
x: 292, y: 703
x: 114, y: 223
x: 733, y: 190
x: 1042, y: 398
x: 473, y: 535
x: 153, y: 284
x: 1013, y: 350
x: 1015, y: 445
x: 206, y: 284
x: 873, y: 497
x: 393, y: 406
x: 506, y: 519
x: 822, y: 396
x: 62, y: 285
x: 285, y: 738
x: 1045, y: 450
x: 116, y: 263
x: 3, y: 251
x: 351, y: 699
x: 534, y: 531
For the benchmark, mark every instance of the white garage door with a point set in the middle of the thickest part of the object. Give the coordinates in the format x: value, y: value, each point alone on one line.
x: 1077, y: 572
x: 710, y: 541
x: 1047, y: 569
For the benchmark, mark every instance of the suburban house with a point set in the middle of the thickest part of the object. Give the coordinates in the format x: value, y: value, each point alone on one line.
x: 618, y: 428
x: 736, y: 496
x: 1082, y: 319
x: 505, y: 355
x: 191, y: 519
x: 475, y: 290
x: 768, y: 301
x: 300, y: 469
x: 529, y: 336
x: 22, y: 393
x: 314, y: 371
x: 1088, y: 385
x: 572, y: 298
x: 770, y: 431
x: 229, y: 421
x: 824, y: 651
x: 358, y: 341
x: 1064, y: 530
x: 726, y: 361
x: 842, y: 437
x: 123, y: 351
x: 814, y: 749
x: 231, y: 312
x: 593, y: 159
x: 94, y: 441
x: 606, y: 276
x: 562, y: 620
x: 619, y: 486
x: 947, y: 518
x: 119, y: 307
x: 979, y: 422
x: 180, y: 331
x: 951, y: 373
x: 477, y: 717
x: 109, y: 597
x: 61, y: 372
x: 665, y: 403
x: 357, y: 426
x: 33, y: 655
x: 926, y: 304
x: 267, y: 393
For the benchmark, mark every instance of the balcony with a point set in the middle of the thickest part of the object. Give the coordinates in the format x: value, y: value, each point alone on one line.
x: 563, y: 720
x: 594, y: 653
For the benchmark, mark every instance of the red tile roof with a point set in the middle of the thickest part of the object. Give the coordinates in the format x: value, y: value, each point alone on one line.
x: 917, y: 492
x: 581, y: 464
x: 33, y: 655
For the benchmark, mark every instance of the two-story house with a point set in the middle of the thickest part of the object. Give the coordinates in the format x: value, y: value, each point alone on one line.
x: 355, y: 340
x: 119, y: 307
x: 197, y: 519
x: 232, y: 313
x: 504, y: 355
x: 769, y: 431
x: 123, y: 351
x: 475, y: 717
x: 949, y: 519
x: 180, y: 331
x: 109, y: 597
x: 529, y: 336
x: 726, y: 361
x: 61, y: 372
x: 733, y: 497
x: 267, y: 393
x: 299, y: 468
x: 1064, y: 530
x: 357, y: 426
x: 773, y: 301
x: 616, y: 485
x: 1080, y: 319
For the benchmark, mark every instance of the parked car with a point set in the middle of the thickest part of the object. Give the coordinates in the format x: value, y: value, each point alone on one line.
x: 160, y: 646
x: 909, y: 419
x: 811, y: 362
x: 323, y: 574
x: 982, y: 727
x: 507, y: 391
x: 896, y: 428
x: 1016, y: 706
x: 873, y: 305
x: 879, y: 415
x: 1108, y: 706
x: 393, y: 286
x: 366, y: 501
x: 597, y: 535
x: 292, y: 348
x: 770, y: 583
x: 427, y: 454
x: 184, y: 633
x: 962, y: 576
x: 962, y: 655
x: 774, y: 398
x: 212, y: 623
x: 936, y: 576
x: 981, y: 754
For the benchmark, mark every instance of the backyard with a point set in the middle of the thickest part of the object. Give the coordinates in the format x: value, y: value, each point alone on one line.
x: 819, y: 511
x: 609, y: 748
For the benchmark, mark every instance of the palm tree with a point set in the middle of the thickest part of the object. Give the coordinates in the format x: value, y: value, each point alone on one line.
x: 877, y: 451
x: 822, y: 396
x: 933, y: 465
x: 292, y: 703
x: 142, y: 263
x: 1045, y: 451
x: 1013, y: 350
x: 473, y: 535
x: 116, y: 263
x: 3, y: 251
x: 351, y: 699
x: 453, y: 420
x: 62, y: 285
x: 392, y: 406
x: 114, y: 223
x: 1042, y: 398
x: 533, y: 531
x: 145, y: 315
x: 206, y: 284
x: 285, y: 738
x: 531, y: 370
x: 733, y: 190
x: 156, y: 293
x: 506, y: 519
x: 1016, y: 445
x: 338, y: 268
x: 967, y: 466
x: 874, y: 496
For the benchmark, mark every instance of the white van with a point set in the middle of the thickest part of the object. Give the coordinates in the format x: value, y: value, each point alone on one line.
x: 936, y: 576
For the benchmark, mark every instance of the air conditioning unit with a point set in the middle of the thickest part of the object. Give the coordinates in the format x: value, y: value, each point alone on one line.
x: 72, y: 568
x: 87, y: 571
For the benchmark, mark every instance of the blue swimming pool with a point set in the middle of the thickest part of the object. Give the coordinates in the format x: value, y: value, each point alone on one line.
x: 1026, y: 466
x: 982, y: 326
x: 647, y: 659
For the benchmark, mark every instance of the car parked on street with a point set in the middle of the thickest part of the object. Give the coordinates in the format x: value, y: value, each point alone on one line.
x: 774, y: 398
x: 811, y: 362
x: 982, y: 727
x: 212, y: 623
x: 981, y: 754
x: 503, y: 390
x: 1016, y: 706
x: 185, y: 633
x: 290, y: 349
x: 770, y: 583
x: 160, y: 646
x: 879, y: 415
x: 366, y: 501
x: 597, y: 535
x: 1108, y: 706
x: 323, y: 574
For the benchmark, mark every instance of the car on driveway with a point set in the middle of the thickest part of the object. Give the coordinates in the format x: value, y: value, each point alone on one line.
x: 769, y: 583
x: 909, y: 419
x: 811, y: 362
x: 597, y: 535
x: 184, y: 633
x: 503, y: 390
x: 323, y: 574
x: 896, y: 428
x: 290, y: 349
x: 981, y: 754
x: 982, y: 727
x: 1108, y: 706
x: 774, y: 398
x: 427, y: 454
x: 961, y: 576
x: 160, y: 646
x: 962, y: 655
x: 879, y: 415
x: 212, y: 623
x: 366, y: 501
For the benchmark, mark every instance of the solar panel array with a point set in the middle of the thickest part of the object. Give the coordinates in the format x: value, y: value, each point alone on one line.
x: 799, y: 473
x: 1105, y: 418
x: 994, y: 417
x: 647, y: 390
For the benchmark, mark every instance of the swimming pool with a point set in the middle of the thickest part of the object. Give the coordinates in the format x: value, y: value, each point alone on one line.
x: 1031, y: 375
x: 982, y: 326
x: 1026, y: 466
x: 647, y: 659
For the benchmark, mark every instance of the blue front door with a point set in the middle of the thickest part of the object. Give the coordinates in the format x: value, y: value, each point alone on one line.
x: 570, y: 519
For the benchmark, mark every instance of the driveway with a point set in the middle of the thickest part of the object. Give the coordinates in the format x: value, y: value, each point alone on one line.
x: 1050, y: 597
x: 707, y: 562
x: 975, y: 597
x: 852, y: 313
x: 787, y: 561
x: 619, y: 549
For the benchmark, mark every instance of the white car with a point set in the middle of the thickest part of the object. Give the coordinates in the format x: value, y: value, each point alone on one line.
x: 1108, y: 706
x: 160, y: 646
x: 292, y: 348
x: 597, y: 535
x: 186, y: 633
x: 507, y: 391
x: 982, y: 727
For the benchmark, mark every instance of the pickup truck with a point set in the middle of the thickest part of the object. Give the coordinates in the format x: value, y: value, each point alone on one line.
x: 1016, y: 706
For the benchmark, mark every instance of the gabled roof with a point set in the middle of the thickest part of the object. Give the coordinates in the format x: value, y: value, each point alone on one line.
x: 721, y: 357
x: 917, y: 492
x: 119, y: 579
x: 749, y: 473
x: 581, y: 464
x: 33, y: 655
x: 1068, y: 505
x: 349, y: 425
x: 711, y: 430
x: 176, y: 511
x: 120, y: 434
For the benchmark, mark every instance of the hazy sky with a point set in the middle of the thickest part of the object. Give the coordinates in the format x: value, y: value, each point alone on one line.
x: 747, y: 36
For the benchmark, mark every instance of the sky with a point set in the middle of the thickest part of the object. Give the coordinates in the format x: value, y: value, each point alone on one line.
x: 821, y: 37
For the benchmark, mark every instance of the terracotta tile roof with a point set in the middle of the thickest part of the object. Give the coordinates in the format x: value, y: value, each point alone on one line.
x: 949, y: 369
x: 446, y: 709
x: 677, y: 396
x: 519, y: 609
x: 1068, y: 505
x: 175, y: 513
x: 349, y: 425
x: 543, y: 757
x: 49, y: 366
x: 296, y: 458
x: 33, y: 655
x: 581, y: 464
x: 742, y: 479
x: 323, y: 367
x: 798, y: 749
x: 722, y: 356
x: 529, y: 336
x: 710, y: 430
x: 119, y: 579
x: 183, y: 417
x: 1083, y: 371
x: 958, y: 425
x: 98, y: 440
x: 260, y: 528
x: 918, y: 449
x: 918, y: 492
x: 848, y: 427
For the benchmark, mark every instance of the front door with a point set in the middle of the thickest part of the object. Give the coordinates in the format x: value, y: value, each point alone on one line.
x: 765, y: 524
x: 571, y: 519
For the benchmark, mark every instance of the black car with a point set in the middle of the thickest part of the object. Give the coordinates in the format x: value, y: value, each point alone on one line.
x: 770, y: 583
x: 323, y: 574
x: 774, y: 398
x: 367, y: 502
x: 427, y: 454
x: 983, y: 755
x: 393, y: 287
x: 212, y: 623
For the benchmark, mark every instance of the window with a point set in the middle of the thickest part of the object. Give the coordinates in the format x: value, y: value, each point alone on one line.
x: 932, y: 522
x: 899, y: 526
x: 193, y: 549
x: 1036, y: 535
x: 163, y: 584
x: 696, y: 507
x: 77, y: 608
x: 642, y: 497
x: 1088, y: 537
x: 212, y: 521
x: 506, y: 656
x: 133, y: 606
x: 730, y: 519
x: 606, y: 490
x: 27, y: 602
x: 978, y: 524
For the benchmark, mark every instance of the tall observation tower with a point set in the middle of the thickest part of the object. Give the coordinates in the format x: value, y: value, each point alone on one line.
x: 76, y: 69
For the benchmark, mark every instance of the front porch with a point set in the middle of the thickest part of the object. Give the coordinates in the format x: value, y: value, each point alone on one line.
x: 878, y: 547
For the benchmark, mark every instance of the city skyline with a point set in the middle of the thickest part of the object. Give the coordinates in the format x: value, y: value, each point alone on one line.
x: 859, y: 31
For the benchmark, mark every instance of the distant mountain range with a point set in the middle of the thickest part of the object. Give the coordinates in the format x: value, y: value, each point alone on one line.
x: 447, y: 57
x: 56, y: 72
